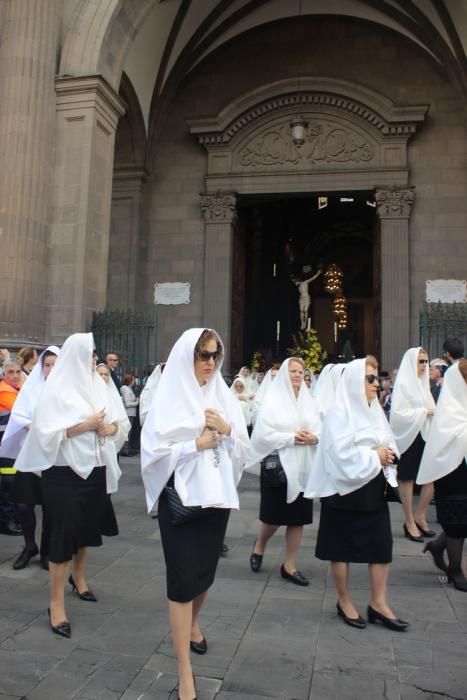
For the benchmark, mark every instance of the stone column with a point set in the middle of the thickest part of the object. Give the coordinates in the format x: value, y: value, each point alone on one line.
x: 28, y: 51
x: 128, y: 184
x: 87, y: 115
x: 394, y: 208
x: 219, y: 210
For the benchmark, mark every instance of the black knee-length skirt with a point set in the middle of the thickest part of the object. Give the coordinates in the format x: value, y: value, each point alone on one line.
x: 409, y: 462
x: 77, y: 511
x: 191, y: 551
x: 360, y: 536
x: 451, y: 502
x: 274, y: 509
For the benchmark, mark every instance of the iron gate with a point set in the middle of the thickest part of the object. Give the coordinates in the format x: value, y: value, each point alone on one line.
x: 130, y: 334
x: 441, y: 321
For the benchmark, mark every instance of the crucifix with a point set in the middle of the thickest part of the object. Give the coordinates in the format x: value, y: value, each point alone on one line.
x: 304, y: 299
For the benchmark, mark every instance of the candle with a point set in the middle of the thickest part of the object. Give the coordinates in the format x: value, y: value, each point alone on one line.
x: 335, y: 331
x: 274, y: 270
x: 308, y: 323
x: 278, y: 330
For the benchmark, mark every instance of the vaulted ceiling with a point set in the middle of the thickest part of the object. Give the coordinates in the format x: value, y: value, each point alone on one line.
x: 177, y: 34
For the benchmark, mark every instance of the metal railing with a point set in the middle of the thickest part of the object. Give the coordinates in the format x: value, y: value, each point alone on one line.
x: 440, y: 321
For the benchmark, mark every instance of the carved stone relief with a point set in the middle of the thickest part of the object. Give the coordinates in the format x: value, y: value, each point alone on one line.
x: 394, y: 203
x: 324, y: 143
x: 219, y: 206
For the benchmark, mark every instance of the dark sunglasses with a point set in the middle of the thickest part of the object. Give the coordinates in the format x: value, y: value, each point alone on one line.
x: 371, y: 378
x: 423, y: 362
x: 205, y: 356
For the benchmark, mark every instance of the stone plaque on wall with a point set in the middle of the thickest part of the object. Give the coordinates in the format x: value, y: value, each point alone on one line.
x: 172, y: 293
x: 446, y: 291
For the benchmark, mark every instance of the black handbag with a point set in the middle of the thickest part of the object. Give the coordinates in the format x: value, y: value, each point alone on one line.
x: 391, y: 493
x: 272, y: 472
x: 181, y: 514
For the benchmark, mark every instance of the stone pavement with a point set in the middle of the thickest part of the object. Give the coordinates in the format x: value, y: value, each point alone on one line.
x: 267, y: 638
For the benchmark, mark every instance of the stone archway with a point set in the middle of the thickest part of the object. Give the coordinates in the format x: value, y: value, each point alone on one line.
x: 356, y: 139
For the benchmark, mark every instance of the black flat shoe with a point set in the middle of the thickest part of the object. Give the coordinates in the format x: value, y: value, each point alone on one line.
x: 63, y: 629
x: 199, y: 647
x: 425, y: 533
x: 357, y: 622
x: 224, y: 549
x: 24, y: 558
x: 297, y: 577
x: 256, y: 561
x: 392, y: 623
x: 438, y: 558
x: 410, y: 537
x: 88, y: 596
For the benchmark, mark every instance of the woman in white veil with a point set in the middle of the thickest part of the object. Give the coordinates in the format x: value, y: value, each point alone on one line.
x: 412, y: 408
x: 287, y: 427
x: 193, y: 444
x: 444, y: 462
x: 352, y: 474
x: 71, y: 445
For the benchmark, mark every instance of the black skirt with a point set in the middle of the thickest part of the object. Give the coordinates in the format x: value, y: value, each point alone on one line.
x: 274, y: 509
x: 409, y: 462
x: 191, y: 551
x: 27, y: 488
x: 360, y: 536
x: 77, y: 511
x: 451, y: 502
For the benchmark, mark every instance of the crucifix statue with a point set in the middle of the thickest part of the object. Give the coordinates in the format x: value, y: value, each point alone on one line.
x: 304, y: 298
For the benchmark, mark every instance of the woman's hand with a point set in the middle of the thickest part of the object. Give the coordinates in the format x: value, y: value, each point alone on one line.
x: 208, y: 439
x: 430, y: 412
x: 386, y: 456
x: 304, y: 437
x: 215, y: 421
x: 96, y: 421
x: 107, y: 430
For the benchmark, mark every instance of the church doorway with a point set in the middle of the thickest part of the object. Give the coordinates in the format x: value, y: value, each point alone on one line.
x: 280, y: 242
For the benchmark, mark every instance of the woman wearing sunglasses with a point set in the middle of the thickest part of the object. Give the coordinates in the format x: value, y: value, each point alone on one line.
x: 353, y: 473
x: 412, y: 408
x: 193, y: 443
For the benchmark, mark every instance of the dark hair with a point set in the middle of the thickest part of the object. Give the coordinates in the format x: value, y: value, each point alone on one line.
x: 204, y: 338
x: 454, y: 347
x: 127, y: 379
x: 48, y: 353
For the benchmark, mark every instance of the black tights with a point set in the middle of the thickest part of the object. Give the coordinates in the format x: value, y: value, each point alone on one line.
x: 454, y: 547
x: 27, y: 519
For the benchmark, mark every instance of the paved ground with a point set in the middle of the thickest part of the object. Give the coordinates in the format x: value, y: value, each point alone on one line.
x: 267, y: 638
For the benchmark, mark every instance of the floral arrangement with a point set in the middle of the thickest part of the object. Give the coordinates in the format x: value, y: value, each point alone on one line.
x: 257, y: 362
x: 308, y: 347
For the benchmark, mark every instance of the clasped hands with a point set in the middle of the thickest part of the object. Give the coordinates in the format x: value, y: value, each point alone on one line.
x: 386, y: 456
x: 213, y: 432
x: 98, y: 424
x: 304, y: 437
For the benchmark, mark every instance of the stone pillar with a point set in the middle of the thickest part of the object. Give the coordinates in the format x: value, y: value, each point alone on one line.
x: 87, y: 115
x: 128, y: 184
x: 28, y: 52
x: 219, y: 210
x: 394, y: 208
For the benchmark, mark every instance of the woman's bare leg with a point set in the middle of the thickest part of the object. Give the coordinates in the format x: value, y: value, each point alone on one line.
x: 378, y: 579
x: 406, y: 492
x: 340, y: 571
x: 181, y: 616
x: 58, y: 574
x: 426, y: 494
x: 196, y: 634
x: 265, y: 534
x: 293, y: 538
x: 79, y: 560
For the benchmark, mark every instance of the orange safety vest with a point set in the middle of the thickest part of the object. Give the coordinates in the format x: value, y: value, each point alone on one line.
x: 8, y: 396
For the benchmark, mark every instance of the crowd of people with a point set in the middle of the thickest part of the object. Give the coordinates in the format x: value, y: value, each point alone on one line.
x: 354, y: 437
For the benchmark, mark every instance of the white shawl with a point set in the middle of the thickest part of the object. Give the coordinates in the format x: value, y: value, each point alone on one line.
x: 280, y: 416
x: 71, y: 394
x: 23, y: 408
x: 446, y: 446
x: 327, y: 389
x: 353, y: 428
x: 411, y: 399
x: 176, y: 418
x: 147, y: 394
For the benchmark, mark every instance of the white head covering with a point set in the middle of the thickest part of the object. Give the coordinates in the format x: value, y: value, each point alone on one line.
x: 353, y: 428
x: 72, y: 393
x: 321, y: 381
x: 243, y: 397
x: 281, y: 414
x: 446, y: 446
x: 327, y: 387
x: 23, y: 408
x: 176, y: 417
x: 119, y: 413
x: 411, y: 399
x: 147, y: 394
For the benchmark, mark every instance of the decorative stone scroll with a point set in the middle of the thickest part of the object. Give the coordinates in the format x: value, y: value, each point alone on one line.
x: 394, y: 203
x: 219, y: 207
x: 324, y: 143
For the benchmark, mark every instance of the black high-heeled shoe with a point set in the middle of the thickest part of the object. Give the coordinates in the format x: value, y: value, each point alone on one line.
x: 410, y: 537
x: 63, y: 629
x: 256, y: 561
x: 438, y: 558
x: 392, y: 623
x: 425, y: 533
x: 357, y: 622
x: 88, y: 596
x: 456, y: 577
